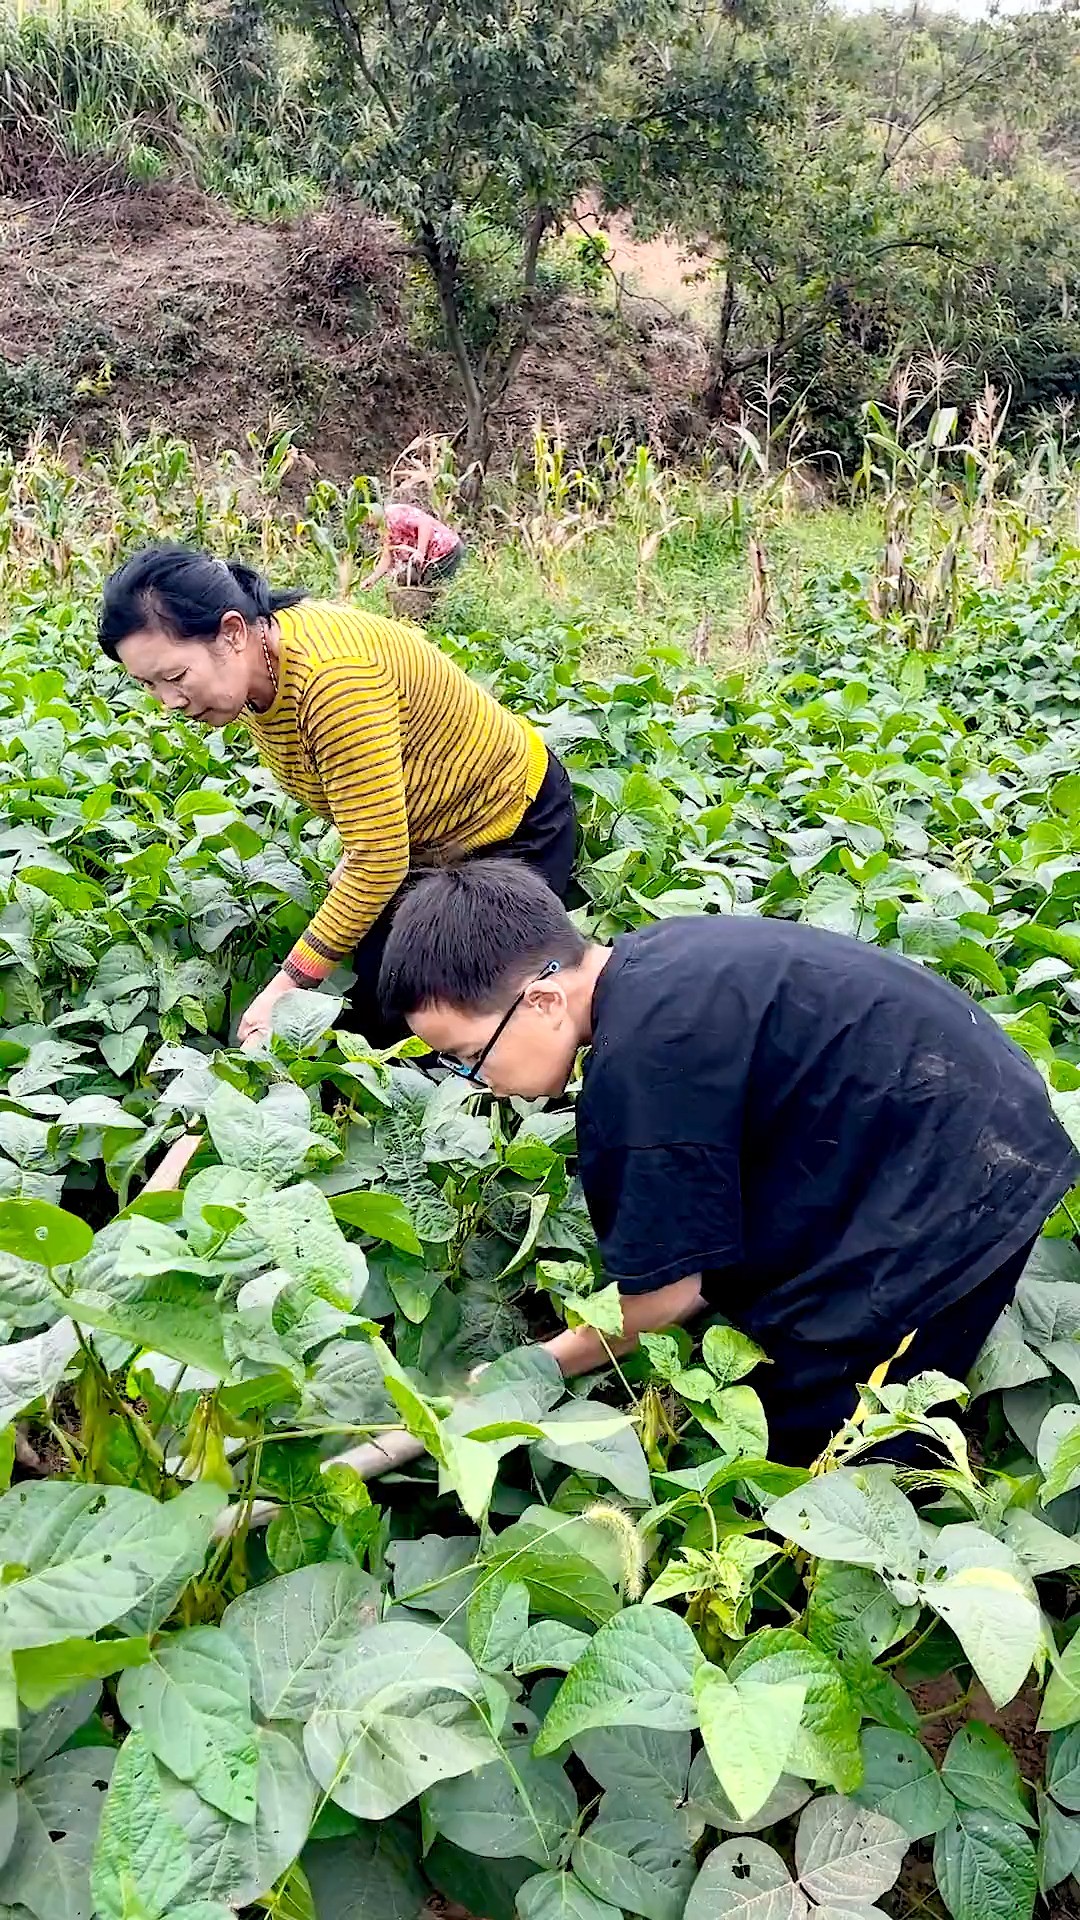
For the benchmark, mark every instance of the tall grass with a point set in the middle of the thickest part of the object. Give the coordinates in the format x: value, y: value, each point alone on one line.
x: 656, y: 558
x: 115, y: 85
x: 81, y: 79
x: 629, y: 554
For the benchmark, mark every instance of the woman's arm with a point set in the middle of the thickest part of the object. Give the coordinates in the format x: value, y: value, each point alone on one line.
x: 351, y: 726
x: 425, y: 529
x: 384, y: 564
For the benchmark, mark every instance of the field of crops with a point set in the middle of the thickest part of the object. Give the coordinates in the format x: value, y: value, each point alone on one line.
x: 592, y: 1652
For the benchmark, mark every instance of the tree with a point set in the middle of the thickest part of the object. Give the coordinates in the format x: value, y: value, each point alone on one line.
x: 467, y: 119
x: 859, y: 234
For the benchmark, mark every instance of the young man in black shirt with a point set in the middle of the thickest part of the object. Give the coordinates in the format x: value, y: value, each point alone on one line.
x: 820, y: 1140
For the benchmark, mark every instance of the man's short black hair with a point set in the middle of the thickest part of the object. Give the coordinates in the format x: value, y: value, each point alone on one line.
x: 468, y: 936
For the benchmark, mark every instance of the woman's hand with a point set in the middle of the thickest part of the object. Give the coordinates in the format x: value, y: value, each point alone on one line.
x: 255, y: 1024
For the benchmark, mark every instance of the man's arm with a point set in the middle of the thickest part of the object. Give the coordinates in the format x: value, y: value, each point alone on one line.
x: 581, y: 1350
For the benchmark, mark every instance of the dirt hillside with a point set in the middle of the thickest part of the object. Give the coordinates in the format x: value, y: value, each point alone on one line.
x: 161, y: 308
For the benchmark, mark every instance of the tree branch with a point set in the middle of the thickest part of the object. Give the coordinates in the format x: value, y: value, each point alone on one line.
x: 539, y: 222
x: 346, y: 18
x: 443, y: 267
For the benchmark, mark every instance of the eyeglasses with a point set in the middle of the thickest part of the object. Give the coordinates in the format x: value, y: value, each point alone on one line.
x: 460, y: 1067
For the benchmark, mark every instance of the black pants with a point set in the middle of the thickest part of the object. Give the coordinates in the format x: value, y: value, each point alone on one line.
x: 545, y: 838
x: 435, y: 573
x: 812, y: 1389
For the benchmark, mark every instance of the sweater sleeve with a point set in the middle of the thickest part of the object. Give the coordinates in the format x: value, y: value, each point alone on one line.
x: 350, y: 723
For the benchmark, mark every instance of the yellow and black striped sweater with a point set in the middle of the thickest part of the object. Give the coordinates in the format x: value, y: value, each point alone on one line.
x: 377, y: 730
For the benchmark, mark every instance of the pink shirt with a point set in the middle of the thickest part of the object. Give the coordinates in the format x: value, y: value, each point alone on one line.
x: 404, y: 525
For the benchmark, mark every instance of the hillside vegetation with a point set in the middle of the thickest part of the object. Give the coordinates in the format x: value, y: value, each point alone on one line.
x: 192, y: 193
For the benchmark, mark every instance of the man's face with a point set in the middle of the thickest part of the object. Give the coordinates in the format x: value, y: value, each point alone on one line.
x: 534, y: 1054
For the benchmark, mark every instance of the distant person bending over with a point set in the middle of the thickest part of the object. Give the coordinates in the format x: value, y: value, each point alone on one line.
x: 417, y: 549
x: 362, y: 720
x: 820, y: 1140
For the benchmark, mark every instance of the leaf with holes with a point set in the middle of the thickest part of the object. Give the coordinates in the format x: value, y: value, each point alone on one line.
x: 980, y: 1771
x: 636, y: 1858
x: 745, y: 1880
x: 852, y: 1612
x: 995, y: 1616
x: 855, y: 1514
x: 231, y: 1860
x: 847, y: 1855
x: 271, y: 1137
x: 193, y: 1705
x: 901, y: 1781
x: 59, y: 1811
x: 399, y: 1711
x: 985, y: 1868
x: 141, y: 1859
x: 561, y: 1896
x: 638, y: 1670
x: 90, y: 1555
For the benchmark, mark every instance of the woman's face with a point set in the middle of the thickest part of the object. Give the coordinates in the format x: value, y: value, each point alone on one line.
x: 205, y: 680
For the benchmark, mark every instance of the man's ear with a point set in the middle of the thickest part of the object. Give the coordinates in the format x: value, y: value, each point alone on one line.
x: 548, y: 997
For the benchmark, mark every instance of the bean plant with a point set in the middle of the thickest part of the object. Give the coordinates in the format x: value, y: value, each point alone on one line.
x: 582, y: 1649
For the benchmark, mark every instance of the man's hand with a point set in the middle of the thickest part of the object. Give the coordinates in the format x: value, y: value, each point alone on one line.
x: 339, y: 870
x: 255, y: 1024
x: 581, y: 1350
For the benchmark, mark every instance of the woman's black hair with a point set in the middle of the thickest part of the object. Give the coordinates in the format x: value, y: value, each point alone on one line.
x: 186, y: 593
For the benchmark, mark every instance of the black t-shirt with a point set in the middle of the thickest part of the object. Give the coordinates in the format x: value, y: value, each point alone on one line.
x: 841, y: 1142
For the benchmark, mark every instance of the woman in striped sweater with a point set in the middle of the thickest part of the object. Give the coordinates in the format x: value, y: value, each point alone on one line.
x: 362, y: 720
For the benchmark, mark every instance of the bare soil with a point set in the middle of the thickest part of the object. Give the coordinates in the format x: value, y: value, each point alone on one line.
x: 914, y: 1894
x: 160, y: 308
x: 659, y: 272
